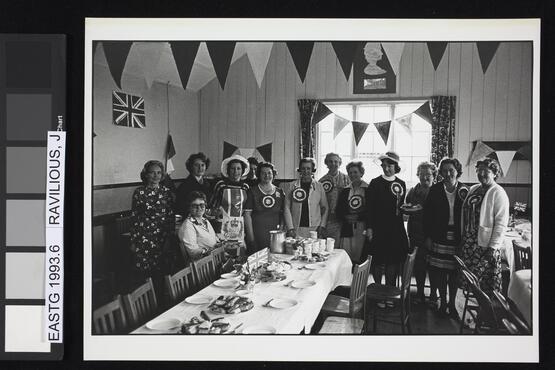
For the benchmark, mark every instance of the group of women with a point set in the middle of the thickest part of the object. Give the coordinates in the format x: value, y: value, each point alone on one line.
x: 445, y: 217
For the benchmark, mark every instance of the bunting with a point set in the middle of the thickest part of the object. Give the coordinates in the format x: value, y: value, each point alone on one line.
x: 425, y: 112
x: 259, y: 55
x: 221, y: 53
x: 246, y: 152
x: 359, y: 128
x: 436, y: 49
x: 383, y: 129
x: 229, y: 149
x: 184, y: 54
x: 406, y: 122
x: 345, y: 51
x: 505, y: 158
x: 322, y: 111
x: 526, y: 151
x: 339, y: 124
x: 265, y: 151
x: 170, y: 153
x: 116, y: 53
x: 149, y: 54
x: 486, y: 52
x: 301, y: 51
x: 394, y: 52
x: 480, y: 151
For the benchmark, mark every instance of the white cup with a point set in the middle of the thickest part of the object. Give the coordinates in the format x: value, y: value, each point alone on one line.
x: 313, y: 234
x: 330, y: 244
x: 322, y: 245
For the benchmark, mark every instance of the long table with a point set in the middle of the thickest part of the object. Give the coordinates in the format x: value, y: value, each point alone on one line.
x: 520, y: 292
x: 293, y: 320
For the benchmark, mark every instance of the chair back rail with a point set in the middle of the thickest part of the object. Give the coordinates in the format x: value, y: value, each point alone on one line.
x: 110, y: 318
x: 141, y: 303
x: 519, y: 324
x: 408, y: 267
x: 523, y: 257
x: 509, y: 326
x: 463, y: 267
x: 218, y: 255
x: 204, y: 271
x: 358, y: 287
x: 486, y: 313
x: 181, y: 284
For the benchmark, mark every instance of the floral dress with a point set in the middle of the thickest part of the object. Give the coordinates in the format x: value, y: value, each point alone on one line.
x: 153, y: 221
x: 485, y: 263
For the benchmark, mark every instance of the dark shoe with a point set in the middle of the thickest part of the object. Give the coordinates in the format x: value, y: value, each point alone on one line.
x: 380, y: 304
x: 389, y: 304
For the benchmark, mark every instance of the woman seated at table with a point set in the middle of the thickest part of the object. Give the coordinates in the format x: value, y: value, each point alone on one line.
x: 229, y: 198
x: 264, y: 209
x: 485, y: 219
x: 442, y: 220
x: 196, y: 164
x: 196, y: 234
x: 351, y: 211
x: 416, y: 197
x: 306, y: 205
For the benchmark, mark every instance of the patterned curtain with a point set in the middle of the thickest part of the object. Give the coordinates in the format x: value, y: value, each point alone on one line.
x: 443, y: 127
x: 307, y: 108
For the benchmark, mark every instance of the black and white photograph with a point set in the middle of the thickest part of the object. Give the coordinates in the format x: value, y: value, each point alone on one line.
x: 311, y: 184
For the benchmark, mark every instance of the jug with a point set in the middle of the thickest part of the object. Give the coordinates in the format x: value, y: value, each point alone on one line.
x: 277, y: 239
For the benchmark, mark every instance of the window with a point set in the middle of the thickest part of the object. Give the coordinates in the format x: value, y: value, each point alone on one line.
x: 412, y: 149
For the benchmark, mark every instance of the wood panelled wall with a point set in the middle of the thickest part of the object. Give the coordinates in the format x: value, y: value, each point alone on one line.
x: 491, y: 106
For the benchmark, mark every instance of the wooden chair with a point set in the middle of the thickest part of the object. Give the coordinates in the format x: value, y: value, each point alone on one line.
x: 510, y: 315
x: 355, y: 305
x: 123, y: 227
x: 523, y: 257
x: 380, y: 292
x: 342, y: 325
x: 218, y: 255
x: 487, y: 317
x: 204, y: 271
x: 469, y: 307
x: 141, y: 304
x: 110, y: 318
x: 180, y: 285
x: 509, y: 326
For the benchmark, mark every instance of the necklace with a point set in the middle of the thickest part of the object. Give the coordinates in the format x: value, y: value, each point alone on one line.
x: 266, y: 192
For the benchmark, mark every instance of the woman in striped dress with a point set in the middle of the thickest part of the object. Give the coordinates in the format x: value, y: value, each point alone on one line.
x: 442, y: 229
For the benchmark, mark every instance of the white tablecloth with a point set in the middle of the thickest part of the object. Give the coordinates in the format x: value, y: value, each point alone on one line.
x: 520, y: 292
x: 286, y: 321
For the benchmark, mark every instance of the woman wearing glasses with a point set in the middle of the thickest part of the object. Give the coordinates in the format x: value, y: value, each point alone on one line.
x: 196, y: 234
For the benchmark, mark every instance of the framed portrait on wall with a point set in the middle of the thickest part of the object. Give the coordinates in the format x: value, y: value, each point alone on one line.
x: 372, y: 70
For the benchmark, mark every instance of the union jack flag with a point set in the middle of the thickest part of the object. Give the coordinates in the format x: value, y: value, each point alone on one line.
x: 128, y: 110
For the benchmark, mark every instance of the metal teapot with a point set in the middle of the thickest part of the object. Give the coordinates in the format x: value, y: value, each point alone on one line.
x: 277, y: 239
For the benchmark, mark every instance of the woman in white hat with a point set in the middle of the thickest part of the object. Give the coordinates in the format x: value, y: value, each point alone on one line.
x: 230, y: 196
x: 385, y: 231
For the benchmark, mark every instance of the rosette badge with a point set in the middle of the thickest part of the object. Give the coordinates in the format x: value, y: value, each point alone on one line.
x: 268, y: 201
x: 327, y: 185
x: 355, y: 202
x: 299, y: 195
x: 463, y: 192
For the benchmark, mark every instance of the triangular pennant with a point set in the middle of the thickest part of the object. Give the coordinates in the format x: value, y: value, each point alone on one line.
x: 149, y: 53
x: 170, y: 149
x: 505, y: 158
x: 95, y: 46
x: 221, y: 53
x: 425, y: 112
x: 322, y: 111
x: 184, y: 54
x: 526, y: 151
x: 480, y: 151
x: 436, y: 50
x: 359, y: 128
x: 345, y: 51
x: 246, y: 152
x: 116, y: 53
x: 338, y: 124
x: 301, y: 52
x: 169, y: 166
x: 94, y: 134
x: 229, y: 149
x: 383, y: 129
x: 259, y: 55
x: 265, y: 151
x: 406, y: 122
x: 486, y: 52
x: 394, y: 51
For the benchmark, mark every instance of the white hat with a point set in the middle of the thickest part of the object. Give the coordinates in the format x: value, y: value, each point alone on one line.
x: 235, y: 157
x: 392, y: 156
